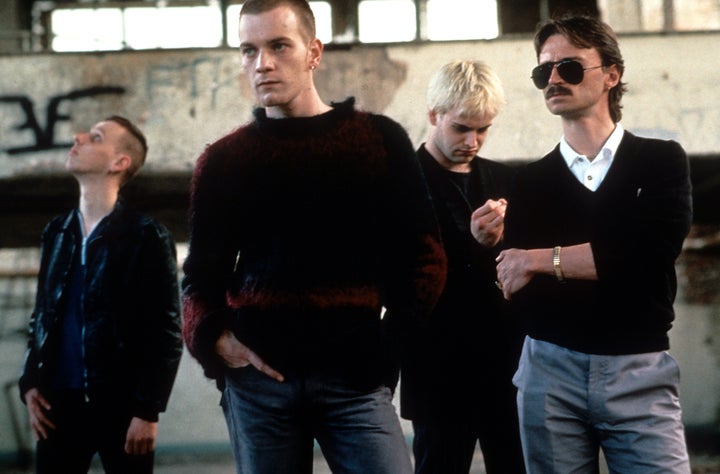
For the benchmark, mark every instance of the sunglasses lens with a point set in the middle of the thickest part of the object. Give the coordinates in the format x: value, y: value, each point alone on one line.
x: 541, y: 75
x: 570, y: 71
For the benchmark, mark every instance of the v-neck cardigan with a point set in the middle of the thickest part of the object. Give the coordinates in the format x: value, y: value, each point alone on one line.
x: 635, y: 222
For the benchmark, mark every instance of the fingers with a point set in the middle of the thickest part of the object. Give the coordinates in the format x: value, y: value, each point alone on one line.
x: 140, y: 437
x: 237, y: 355
x: 488, y: 217
x: 260, y: 365
x: 37, y: 407
x: 497, y: 207
x: 38, y: 430
x: 491, y: 207
x: 139, y: 447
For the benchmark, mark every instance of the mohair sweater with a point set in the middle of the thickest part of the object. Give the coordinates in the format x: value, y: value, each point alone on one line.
x: 301, y: 231
x: 635, y: 221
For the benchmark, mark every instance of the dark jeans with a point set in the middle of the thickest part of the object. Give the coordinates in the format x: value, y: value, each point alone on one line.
x: 273, y: 425
x: 84, y: 429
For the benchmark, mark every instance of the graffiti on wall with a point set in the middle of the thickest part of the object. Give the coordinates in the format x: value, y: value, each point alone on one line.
x: 44, y: 135
x: 195, y: 75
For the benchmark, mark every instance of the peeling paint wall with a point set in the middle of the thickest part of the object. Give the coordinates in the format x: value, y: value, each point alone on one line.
x: 186, y: 99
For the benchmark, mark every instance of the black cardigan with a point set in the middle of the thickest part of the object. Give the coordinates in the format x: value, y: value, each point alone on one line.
x: 635, y: 221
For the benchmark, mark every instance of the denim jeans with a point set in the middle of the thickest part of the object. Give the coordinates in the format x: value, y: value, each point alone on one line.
x: 273, y: 425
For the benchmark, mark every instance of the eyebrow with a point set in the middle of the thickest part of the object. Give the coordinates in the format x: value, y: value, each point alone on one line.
x: 568, y: 58
x: 466, y: 127
x: 270, y: 41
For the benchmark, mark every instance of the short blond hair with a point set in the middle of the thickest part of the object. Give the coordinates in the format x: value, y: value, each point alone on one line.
x: 468, y: 87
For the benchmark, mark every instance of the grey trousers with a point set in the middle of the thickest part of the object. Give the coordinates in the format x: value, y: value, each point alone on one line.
x: 571, y: 405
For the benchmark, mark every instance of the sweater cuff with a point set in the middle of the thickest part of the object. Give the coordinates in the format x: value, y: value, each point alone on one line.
x: 207, y: 335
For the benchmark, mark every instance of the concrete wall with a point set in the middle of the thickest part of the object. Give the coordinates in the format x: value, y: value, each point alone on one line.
x: 186, y: 99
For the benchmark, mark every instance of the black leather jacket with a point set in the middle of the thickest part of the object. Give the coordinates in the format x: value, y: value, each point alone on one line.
x: 131, y: 326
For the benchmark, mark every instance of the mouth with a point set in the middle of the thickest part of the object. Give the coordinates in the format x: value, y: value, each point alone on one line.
x: 265, y: 83
x: 466, y: 153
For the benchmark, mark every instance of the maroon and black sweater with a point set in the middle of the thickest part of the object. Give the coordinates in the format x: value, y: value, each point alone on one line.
x: 301, y: 231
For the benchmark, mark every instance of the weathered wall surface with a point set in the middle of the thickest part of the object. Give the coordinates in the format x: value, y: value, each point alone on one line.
x: 185, y: 99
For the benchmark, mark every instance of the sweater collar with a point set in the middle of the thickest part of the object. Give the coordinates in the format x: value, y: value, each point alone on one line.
x: 305, y: 125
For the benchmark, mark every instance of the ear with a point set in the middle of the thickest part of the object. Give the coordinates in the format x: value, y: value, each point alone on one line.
x: 315, y: 50
x: 121, y: 163
x: 433, y: 117
x: 613, y: 76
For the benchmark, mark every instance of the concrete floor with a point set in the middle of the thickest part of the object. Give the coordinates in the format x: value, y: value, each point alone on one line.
x: 209, y: 463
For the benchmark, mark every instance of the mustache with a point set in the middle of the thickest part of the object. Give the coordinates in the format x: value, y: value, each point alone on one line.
x: 556, y: 90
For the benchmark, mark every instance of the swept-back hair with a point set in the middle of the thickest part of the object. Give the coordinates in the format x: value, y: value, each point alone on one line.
x: 585, y: 31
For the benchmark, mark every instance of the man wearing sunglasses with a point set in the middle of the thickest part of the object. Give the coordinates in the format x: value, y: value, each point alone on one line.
x: 592, y: 232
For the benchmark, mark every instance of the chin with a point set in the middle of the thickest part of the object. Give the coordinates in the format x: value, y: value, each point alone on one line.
x: 269, y: 100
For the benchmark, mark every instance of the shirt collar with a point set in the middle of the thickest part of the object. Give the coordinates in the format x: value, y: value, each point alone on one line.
x: 607, y: 151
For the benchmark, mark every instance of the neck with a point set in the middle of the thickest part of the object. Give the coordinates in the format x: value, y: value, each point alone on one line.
x: 96, y: 201
x: 587, y: 135
x: 308, y: 105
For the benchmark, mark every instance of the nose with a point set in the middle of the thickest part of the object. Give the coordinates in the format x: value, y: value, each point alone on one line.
x: 471, y: 139
x: 77, y: 138
x: 554, y: 75
x: 263, y: 61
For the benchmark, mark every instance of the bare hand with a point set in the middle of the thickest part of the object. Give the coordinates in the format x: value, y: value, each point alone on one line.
x: 38, y: 408
x: 141, y: 435
x: 487, y: 222
x: 236, y: 355
x: 513, y: 271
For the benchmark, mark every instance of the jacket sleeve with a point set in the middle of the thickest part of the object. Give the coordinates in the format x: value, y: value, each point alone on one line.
x: 160, y: 335
x: 29, y: 373
x: 417, y: 264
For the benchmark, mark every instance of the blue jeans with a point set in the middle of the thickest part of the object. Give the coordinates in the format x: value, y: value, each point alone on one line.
x: 572, y: 404
x: 273, y: 425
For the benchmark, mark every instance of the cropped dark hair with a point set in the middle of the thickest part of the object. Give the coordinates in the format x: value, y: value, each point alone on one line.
x: 300, y: 7
x: 135, y: 145
x: 584, y: 31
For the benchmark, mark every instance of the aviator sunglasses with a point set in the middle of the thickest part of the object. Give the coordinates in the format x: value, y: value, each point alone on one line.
x: 570, y: 70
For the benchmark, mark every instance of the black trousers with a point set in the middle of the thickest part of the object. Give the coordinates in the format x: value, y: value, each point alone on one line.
x: 84, y: 429
x: 448, y: 447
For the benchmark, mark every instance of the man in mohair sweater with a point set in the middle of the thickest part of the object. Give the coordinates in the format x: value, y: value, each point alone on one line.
x: 592, y: 232
x: 305, y: 224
